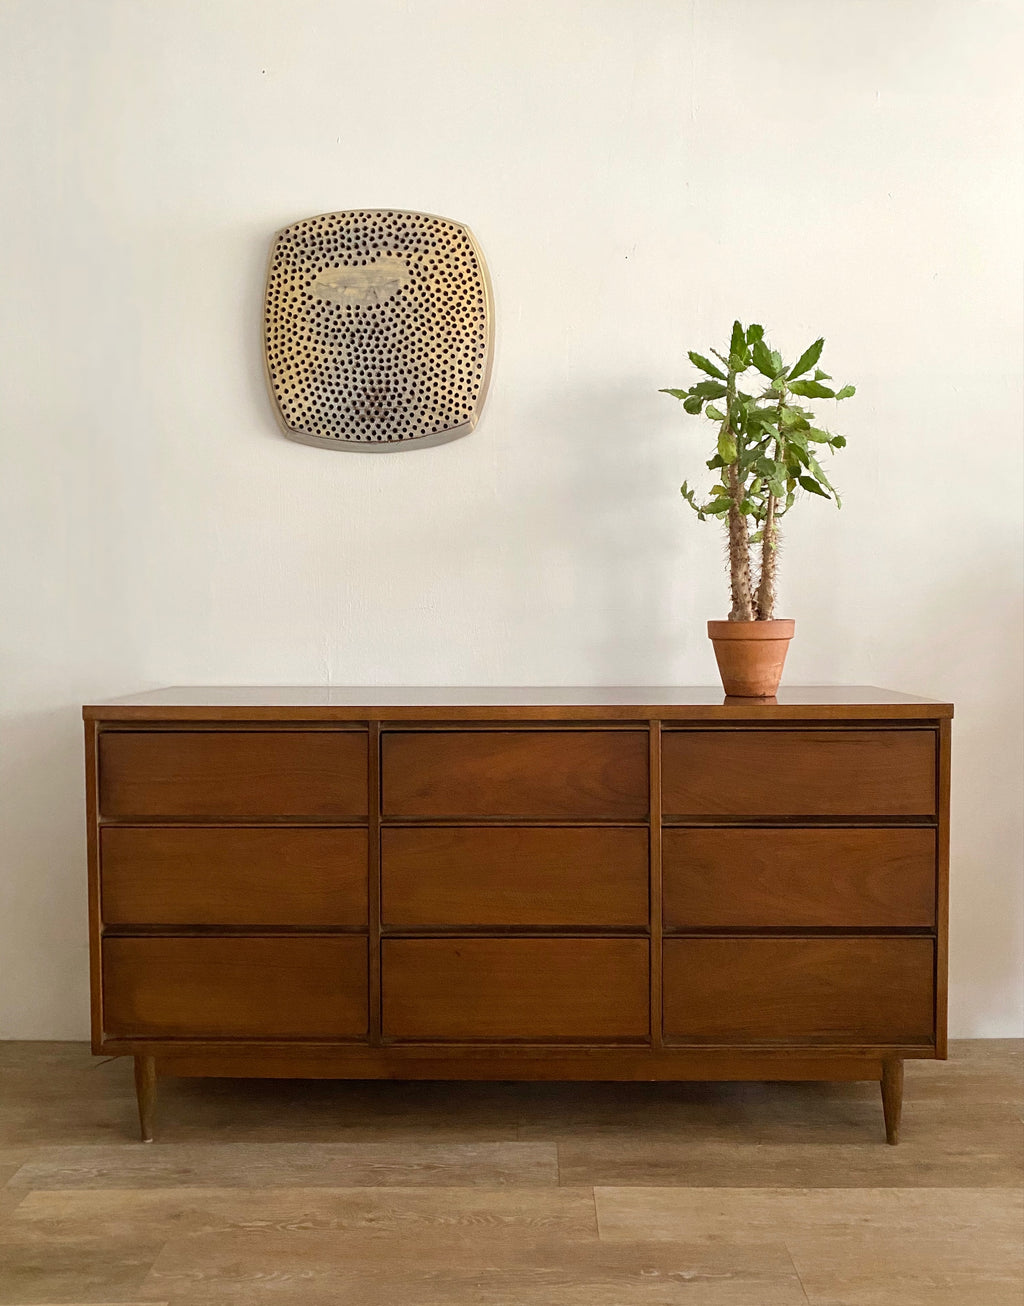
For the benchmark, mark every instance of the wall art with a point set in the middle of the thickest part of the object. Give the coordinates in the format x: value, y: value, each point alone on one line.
x: 377, y: 330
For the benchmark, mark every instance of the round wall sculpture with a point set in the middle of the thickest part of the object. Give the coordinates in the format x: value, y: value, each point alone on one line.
x: 377, y: 330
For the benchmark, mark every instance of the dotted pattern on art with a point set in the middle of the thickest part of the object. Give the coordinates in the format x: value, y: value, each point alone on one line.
x: 377, y: 329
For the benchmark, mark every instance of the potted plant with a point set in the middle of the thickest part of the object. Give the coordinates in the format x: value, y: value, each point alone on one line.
x: 767, y: 453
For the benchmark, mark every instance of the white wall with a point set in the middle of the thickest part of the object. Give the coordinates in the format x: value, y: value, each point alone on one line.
x: 638, y: 172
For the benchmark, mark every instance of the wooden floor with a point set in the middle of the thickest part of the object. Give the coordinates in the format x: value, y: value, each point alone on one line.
x: 509, y: 1194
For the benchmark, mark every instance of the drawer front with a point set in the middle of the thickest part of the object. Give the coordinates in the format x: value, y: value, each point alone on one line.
x: 235, y: 988
x: 174, y: 876
x: 524, y: 773
x: 233, y: 773
x: 799, y: 773
x: 804, y: 991
x: 591, y: 990
x: 842, y: 878
x: 589, y: 877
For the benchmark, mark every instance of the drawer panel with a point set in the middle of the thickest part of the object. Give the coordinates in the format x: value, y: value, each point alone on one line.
x: 235, y: 988
x: 783, y: 877
x: 193, y: 876
x: 516, y: 773
x: 590, y: 877
x: 516, y: 989
x: 799, y: 773
x: 805, y: 991
x: 233, y: 773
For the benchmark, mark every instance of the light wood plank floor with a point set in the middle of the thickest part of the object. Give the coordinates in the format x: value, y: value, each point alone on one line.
x: 280, y: 1193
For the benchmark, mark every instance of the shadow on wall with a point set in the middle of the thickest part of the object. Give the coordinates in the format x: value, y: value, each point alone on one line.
x: 583, y: 532
x: 606, y: 506
x: 44, y: 894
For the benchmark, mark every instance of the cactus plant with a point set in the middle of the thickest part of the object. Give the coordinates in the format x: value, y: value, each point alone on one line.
x: 765, y: 455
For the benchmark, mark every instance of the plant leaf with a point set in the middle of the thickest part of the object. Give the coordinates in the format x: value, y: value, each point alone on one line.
x: 705, y: 365
x: 727, y: 447
x: 690, y: 498
x: 838, y: 441
x: 676, y: 394
x: 809, y: 483
x: 708, y: 389
x: 754, y: 332
x: 812, y: 390
x: 819, y: 375
x: 808, y: 358
x: 715, y: 413
x: 846, y: 392
x: 714, y: 463
x: 693, y: 404
x: 718, y: 506
x: 815, y: 468
x: 762, y: 357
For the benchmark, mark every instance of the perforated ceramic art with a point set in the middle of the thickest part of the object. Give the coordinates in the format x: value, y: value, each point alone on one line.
x: 377, y: 329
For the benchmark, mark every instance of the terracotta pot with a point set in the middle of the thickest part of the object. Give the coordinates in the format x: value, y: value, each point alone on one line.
x: 750, y: 655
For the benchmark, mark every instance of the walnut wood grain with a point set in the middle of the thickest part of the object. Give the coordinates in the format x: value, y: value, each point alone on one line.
x: 763, y: 773
x: 799, y: 990
x: 518, y: 828
x: 232, y: 988
x: 942, y: 891
x: 526, y: 773
x: 892, y: 1097
x: 346, y: 703
x: 223, y: 876
x: 850, y: 879
x: 145, y: 1095
x: 523, y: 876
x: 232, y: 774
x: 532, y: 989
x: 537, y: 1062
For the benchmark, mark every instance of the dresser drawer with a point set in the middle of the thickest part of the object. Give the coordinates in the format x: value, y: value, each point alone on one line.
x: 798, y: 773
x: 782, y: 877
x: 233, y: 773
x: 495, y: 876
x: 235, y: 988
x: 516, y: 773
x: 516, y: 989
x: 209, y: 876
x: 810, y: 990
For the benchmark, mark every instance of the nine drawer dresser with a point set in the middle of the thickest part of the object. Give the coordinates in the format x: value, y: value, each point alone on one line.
x: 649, y: 884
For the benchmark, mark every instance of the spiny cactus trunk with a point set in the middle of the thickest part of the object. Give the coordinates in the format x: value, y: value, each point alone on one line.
x: 769, y: 560
x: 739, y: 556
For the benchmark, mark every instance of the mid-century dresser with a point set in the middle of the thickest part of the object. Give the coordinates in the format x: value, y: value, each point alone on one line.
x: 650, y: 884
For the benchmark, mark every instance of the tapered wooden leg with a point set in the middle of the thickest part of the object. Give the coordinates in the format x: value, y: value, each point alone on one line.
x: 892, y: 1097
x: 145, y: 1092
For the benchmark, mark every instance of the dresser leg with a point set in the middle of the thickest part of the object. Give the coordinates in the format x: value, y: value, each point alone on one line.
x: 892, y: 1097
x: 145, y: 1093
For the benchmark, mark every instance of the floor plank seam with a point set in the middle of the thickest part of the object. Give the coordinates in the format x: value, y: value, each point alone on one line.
x: 796, y: 1271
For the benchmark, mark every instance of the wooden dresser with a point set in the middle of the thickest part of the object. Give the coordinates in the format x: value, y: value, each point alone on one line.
x: 519, y: 884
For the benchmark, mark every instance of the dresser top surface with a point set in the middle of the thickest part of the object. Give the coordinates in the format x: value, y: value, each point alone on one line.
x: 693, y: 702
